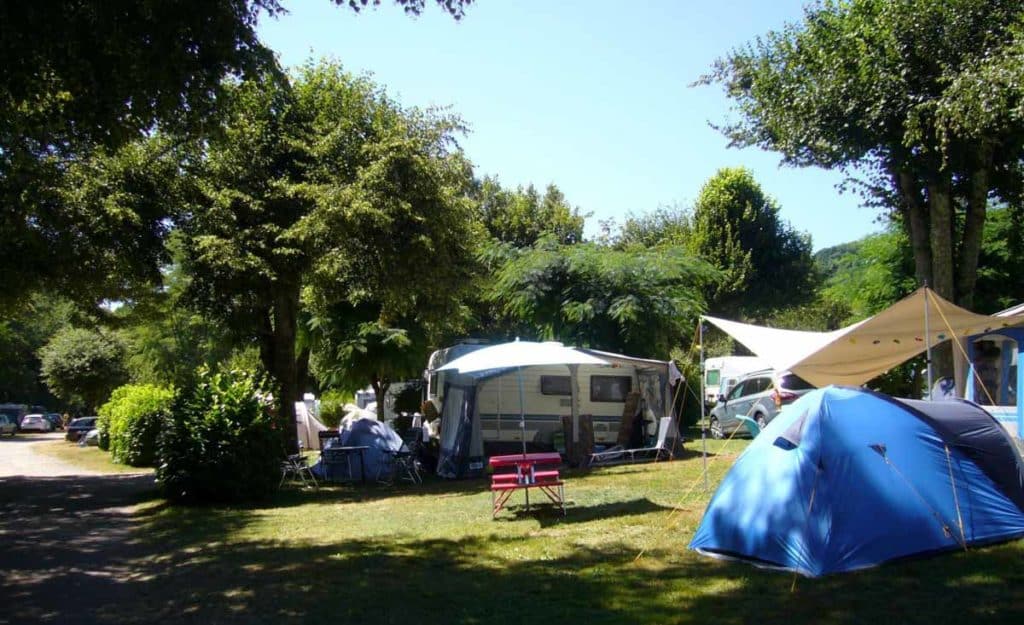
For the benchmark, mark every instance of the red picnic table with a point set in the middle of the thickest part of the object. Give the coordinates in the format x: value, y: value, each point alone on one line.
x: 526, y: 474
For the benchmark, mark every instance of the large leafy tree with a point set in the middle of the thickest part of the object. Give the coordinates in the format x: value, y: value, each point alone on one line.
x: 522, y: 216
x: 25, y: 328
x: 94, y: 75
x: 737, y: 228
x: 666, y: 225
x: 325, y: 185
x: 872, y: 274
x: 637, y: 301
x: 923, y: 96
x: 83, y: 366
x: 168, y: 342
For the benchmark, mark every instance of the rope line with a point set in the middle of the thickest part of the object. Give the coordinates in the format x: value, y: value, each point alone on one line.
x: 935, y: 513
x: 956, y: 499
x: 956, y: 341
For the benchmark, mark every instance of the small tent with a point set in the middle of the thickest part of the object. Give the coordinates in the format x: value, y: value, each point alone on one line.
x: 379, y: 440
x: 846, y: 478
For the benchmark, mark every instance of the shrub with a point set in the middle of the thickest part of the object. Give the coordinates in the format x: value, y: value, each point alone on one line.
x: 131, y: 421
x: 332, y: 403
x: 220, y: 443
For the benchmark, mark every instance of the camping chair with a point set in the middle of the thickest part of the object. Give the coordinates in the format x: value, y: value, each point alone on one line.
x: 619, y: 454
x: 752, y: 425
x: 296, y: 468
x: 404, y: 463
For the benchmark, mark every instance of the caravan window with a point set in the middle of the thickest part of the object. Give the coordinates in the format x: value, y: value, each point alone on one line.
x: 611, y: 388
x: 555, y: 385
x: 713, y: 377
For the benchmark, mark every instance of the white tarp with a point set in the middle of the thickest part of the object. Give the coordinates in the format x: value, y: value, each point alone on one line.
x: 857, y: 353
x: 307, y: 426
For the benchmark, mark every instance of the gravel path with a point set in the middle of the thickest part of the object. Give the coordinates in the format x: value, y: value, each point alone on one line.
x: 18, y: 458
x: 68, y: 537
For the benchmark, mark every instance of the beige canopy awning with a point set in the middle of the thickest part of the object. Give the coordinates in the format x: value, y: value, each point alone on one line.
x: 857, y: 353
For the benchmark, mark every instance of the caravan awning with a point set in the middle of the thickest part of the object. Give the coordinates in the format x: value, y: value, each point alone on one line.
x: 857, y: 353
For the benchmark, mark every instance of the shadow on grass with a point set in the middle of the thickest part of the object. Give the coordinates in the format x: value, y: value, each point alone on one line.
x: 548, y: 514
x: 448, y: 581
x: 194, y: 565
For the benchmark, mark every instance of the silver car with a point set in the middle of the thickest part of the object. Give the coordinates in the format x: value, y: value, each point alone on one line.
x: 36, y: 423
x: 760, y: 396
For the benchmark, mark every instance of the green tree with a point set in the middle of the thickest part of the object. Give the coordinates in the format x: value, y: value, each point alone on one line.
x: 167, y: 341
x: 93, y: 75
x: 523, y: 216
x: 873, y: 274
x: 324, y: 182
x: 666, y: 225
x: 83, y: 366
x: 1001, y: 265
x: 637, y: 301
x: 737, y: 228
x: 24, y: 329
x: 353, y: 348
x: 923, y: 96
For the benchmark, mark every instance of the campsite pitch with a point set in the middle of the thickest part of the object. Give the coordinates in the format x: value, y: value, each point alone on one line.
x: 432, y: 554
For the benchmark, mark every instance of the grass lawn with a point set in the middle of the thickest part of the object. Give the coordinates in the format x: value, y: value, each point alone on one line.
x: 88, y: 458
x: 432, y: 554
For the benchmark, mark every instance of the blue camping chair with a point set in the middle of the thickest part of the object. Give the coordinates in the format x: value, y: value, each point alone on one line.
x: 752, y: 425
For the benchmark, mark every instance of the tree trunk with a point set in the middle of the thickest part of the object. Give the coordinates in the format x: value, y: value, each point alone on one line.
x: 380, y: 390
x: 266, y: 340
x: 284, y: 371
x: 941, y: 237
x: 917, y: 225
x: 302, y: 371
x: 974, y: 226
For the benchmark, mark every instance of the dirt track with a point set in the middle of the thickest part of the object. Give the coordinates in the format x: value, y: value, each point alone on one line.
x: 67, y: 536
x: 18, y: 458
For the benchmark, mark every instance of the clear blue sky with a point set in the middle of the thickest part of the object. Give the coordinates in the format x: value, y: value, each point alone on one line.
x: 592, y: 95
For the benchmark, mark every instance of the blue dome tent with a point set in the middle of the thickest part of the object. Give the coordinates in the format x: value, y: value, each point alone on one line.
x: 846, y: 478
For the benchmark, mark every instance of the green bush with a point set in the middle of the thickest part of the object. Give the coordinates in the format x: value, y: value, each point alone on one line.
x: 331, y: 406
x: 131, y: 421
x: 220, y: 443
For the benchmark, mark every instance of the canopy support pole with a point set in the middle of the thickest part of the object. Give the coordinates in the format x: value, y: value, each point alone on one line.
x: 522, y: 409
x: 927, y: 343
x: 703, y: 425
x: 574, y: 392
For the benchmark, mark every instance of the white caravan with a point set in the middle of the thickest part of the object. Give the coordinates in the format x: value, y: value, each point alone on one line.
x: 491, y: 402
x: 721, y: 373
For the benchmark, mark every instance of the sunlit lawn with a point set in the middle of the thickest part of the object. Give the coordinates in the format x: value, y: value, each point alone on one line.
x: 88, y: 458
x: 432, y: 554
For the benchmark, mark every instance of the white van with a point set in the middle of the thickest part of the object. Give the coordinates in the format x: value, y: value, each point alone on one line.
x: 721, y: 373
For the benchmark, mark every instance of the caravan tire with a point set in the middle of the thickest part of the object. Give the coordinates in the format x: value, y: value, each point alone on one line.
x: 761, y: 421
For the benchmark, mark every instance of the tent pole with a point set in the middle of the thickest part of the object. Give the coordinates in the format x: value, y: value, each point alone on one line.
x: 703, y: 428
x: 522, y: 409
x: 928, y: 344
x: 574, y: 411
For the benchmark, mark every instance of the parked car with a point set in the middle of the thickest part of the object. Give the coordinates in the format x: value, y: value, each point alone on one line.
x: 7, y: 426
x: 55, y: 420
x: 759, y: 395
x: 80, y: 427
x: 14, y: 412
x: 35, y: 423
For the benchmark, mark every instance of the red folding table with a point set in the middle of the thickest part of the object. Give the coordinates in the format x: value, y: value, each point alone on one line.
x: 539, y: 470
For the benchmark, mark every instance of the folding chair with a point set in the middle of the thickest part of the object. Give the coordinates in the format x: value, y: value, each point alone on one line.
x: 296, y: 468
x: 752, y: 427
x: 620, y: 454
x: 405, y: 463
